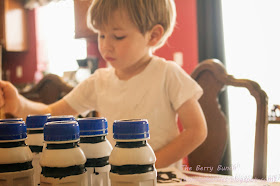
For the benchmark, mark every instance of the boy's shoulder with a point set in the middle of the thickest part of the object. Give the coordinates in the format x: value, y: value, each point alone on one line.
x: 101, y: 73
x: 167, y: 64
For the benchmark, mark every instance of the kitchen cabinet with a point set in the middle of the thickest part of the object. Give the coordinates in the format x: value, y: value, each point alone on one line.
x: 81, y: 29
x: 13, y: 28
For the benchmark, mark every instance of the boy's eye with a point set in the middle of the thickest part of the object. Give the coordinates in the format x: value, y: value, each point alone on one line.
x: 102, y: 36
x: 119, y: 37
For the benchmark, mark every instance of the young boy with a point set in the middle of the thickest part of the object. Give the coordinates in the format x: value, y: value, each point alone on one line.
x: 140, y: 85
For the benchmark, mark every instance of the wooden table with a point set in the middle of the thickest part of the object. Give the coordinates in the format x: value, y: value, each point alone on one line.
x: 274, y: 121
x: 191, y: 178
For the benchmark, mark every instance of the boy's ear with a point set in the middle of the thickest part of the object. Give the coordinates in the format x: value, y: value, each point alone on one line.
x: 156, y: 34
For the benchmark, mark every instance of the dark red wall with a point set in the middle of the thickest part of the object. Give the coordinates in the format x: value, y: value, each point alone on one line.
x: 28, y: 59
x: 184, y: 37
x: 92, y: 51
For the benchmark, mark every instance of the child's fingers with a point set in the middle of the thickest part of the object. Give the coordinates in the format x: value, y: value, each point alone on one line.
x: 2, y: 113
x: 2, y: 103
x: 2, y: 94
x: 2, y: 100
x: 2, y: 84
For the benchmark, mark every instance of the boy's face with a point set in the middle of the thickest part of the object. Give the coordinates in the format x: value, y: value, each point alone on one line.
x: 122, y: 44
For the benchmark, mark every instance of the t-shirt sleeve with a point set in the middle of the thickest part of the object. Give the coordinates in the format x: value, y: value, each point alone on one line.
x: 83, y: 97
x: 180, y: 86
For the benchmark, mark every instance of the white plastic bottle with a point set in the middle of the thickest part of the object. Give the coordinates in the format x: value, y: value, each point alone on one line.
x: 35, y: 139
x: 132, y: 159
x: 15, y: 156
x: 62, y: 160
x: 97, y: 149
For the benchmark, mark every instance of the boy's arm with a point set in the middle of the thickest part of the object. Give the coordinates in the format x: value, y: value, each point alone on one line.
x: 195, y: 131
x: 17, y: 105
x: 26, y: 107
x: 57, y: 108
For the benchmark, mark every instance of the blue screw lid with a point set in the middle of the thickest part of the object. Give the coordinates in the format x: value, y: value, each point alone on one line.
x: 61, y: 131
x: 13, y: 130
x: 61, y: 118
x: 131, y: 129
x: 11, y: 119
x: 93, y: 126
x: 36, y: 121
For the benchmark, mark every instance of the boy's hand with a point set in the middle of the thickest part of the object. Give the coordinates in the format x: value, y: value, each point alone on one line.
x: 9, y: 97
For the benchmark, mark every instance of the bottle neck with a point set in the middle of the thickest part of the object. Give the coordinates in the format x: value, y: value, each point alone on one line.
x: 14, y: 167
x: 131, y: 144
x: 62, y: 145
x: 92, y: 139
x: 35, y: 131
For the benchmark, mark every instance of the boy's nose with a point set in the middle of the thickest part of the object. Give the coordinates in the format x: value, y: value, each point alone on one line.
x: 107, y: 44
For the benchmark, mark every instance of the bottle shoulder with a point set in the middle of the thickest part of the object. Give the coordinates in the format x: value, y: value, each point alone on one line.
x: 97, y: 150
x: 62, y: 157
x: 138, y: 155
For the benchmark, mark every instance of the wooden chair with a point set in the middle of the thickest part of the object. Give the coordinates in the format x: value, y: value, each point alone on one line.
x: 49, y: 89
x: 213, y: 78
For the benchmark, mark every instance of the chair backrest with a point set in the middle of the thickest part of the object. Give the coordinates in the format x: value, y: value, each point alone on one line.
x: 48, y: 90
x: 213, y: 78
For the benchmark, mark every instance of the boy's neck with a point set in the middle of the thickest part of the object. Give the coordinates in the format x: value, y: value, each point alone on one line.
x: 134, y: 70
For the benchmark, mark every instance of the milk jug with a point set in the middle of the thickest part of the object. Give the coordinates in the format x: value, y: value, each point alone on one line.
x: 62, y: 160
x: 35, y: 139
x: 132, y: 159
x: 15, y: 156
x: 97, y: 149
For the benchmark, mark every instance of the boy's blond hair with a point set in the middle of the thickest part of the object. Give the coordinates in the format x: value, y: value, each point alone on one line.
x: 145, y: 14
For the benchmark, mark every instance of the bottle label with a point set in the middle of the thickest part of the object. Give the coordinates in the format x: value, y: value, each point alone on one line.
x: 132, y: 169
x: 12, y: 144
x: 61, y: 172
x: 97, y: 162
x: 14, y: 167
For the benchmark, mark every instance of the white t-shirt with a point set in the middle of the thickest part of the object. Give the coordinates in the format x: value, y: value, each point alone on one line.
x: 154, y: 94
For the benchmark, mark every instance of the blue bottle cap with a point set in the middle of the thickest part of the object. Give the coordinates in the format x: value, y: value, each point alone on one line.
x: 13, y: 130
x: 61, y: 131
x: 11, y: 119
x: 131, y: 129
x: 36, y: 121
x: 93, y: 126
x: 61, y: 118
